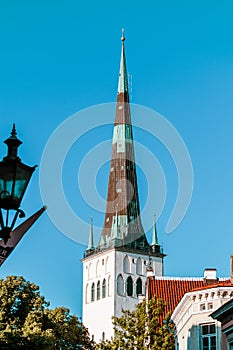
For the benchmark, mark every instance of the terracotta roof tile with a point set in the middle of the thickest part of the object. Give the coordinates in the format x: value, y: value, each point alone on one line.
x: 171, y: 290
x: 226, y: 283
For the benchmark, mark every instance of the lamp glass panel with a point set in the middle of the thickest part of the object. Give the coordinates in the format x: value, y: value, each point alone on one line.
x: 14, y: 178
x: 6, y: 180
x: 22, y: 177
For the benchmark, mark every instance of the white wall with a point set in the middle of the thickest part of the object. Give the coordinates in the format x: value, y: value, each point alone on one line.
x: 97, y: 314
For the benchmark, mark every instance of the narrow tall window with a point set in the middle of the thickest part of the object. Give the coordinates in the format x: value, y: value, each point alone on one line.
x: 120, y: 285
x: 208, y: 337
x: 109, y: 286
x: 93, y: 292
x: 139, y: 266
x: 129, y: 286
x: 139, y: 286
x: 107, y: 267
x: 104, y: 288
x: 98, y: 290
x: 89, y: 271
x: 86, y: 294
x: 126, y: 264
x: 98, y: 269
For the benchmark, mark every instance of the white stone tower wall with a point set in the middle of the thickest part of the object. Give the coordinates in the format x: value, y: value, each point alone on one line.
x: 109, y: 265
x: 97, y: 314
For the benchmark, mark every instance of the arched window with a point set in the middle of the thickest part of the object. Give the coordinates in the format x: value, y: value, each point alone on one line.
x: 98, y: 268
x: 107, y: 267
x: 109, y: 286
x: 126, y: 264
x: 120, y: 285
x: 98, y: 290
x: 129, y: 286
x: 139, y: 286
x: 104, y: 288
x: 139, y: 266
x: 93, y: 292
x: 89, y: 271
x: 86, y: 294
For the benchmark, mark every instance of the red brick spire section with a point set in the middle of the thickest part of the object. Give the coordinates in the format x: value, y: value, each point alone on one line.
x: 122, y: 223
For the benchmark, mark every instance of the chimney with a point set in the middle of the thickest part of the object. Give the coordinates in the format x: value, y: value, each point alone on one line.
x: 150, y: 272
x: 231, y: 268
x: 210, y: 275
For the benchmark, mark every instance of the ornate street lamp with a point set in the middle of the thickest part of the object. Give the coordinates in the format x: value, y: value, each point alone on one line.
x: 14, y: 179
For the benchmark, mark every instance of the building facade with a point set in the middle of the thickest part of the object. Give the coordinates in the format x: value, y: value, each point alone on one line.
x: 224, y: 314
x: 191, y: 301
x: 114, y: 272
x: 196, y: 329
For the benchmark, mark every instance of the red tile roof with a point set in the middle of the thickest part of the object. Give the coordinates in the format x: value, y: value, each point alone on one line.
x: 225, y: 283
x: 171, y: 290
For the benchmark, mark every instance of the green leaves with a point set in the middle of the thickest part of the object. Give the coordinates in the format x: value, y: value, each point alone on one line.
x: 141, y: 328
x: 26, y: 322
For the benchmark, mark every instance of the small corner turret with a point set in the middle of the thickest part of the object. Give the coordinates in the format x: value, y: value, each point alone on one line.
x: 90, y: 248
x: 156, y: 248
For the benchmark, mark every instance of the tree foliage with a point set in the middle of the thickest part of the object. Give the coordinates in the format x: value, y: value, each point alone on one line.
x: 26, y: 322
x: 142, y: 328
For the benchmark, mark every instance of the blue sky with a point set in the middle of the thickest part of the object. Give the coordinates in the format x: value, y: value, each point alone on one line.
x: 58, y: 58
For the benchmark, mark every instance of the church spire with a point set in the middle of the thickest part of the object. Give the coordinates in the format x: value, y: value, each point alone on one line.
x: 122, y: 224
x: 123, y: 246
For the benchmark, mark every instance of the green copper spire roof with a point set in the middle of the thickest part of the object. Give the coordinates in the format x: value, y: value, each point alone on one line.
x: 123, y: 79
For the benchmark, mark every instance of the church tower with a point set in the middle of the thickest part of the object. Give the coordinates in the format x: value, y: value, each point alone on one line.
x: 114, y: 273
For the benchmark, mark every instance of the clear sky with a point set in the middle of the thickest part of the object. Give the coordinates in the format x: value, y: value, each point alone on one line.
x: 59, y: 57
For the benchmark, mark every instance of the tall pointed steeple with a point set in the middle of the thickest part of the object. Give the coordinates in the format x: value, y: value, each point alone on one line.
x: 115, y: 273
x: 122, y: 224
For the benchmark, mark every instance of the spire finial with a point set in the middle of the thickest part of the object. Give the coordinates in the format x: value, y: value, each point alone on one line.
x: 123, y: 35
x: 13, y: 132
x: 12, y: 143
x: 123, y: 78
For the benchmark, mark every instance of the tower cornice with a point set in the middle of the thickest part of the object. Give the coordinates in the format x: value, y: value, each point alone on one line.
x: 124, y: 249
